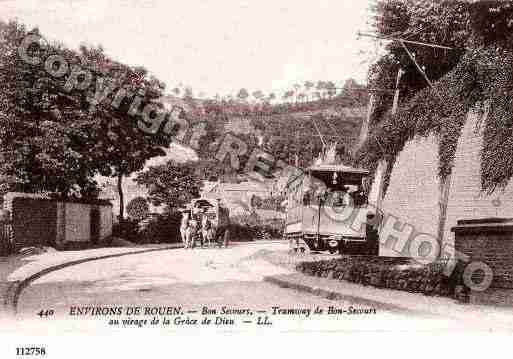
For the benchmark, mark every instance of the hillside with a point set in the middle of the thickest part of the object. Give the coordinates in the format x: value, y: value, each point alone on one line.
x: 285, y: 130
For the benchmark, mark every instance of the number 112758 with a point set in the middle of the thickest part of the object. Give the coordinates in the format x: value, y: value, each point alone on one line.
x: 30, y: 351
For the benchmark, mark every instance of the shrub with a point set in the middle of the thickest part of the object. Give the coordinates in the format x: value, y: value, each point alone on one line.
x: 248, y: 219
x: 126, y: 229
x: 242, y: 233
x: 162, y: 228
x: 137, y: 208
x: 387, y: 272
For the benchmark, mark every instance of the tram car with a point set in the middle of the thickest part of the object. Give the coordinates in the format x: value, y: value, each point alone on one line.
x: 317, y: 200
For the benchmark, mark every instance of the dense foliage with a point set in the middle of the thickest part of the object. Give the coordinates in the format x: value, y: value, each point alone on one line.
x: 137, y: 208
x: 57, y: 138
x: 437, y: 22
x: 479, y: 77
x: 288, y: 132
x: 163, y: 228
x: 391, y: 273
x: 172, y: 184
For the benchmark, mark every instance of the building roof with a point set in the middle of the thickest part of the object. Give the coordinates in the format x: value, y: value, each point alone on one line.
x: 238, y: 187
x: 338, y: 168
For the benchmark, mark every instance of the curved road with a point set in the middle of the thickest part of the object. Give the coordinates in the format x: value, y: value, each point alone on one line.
x: 199, y: 279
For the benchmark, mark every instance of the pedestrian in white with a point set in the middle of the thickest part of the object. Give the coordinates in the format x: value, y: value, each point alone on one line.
x: 183, y: 227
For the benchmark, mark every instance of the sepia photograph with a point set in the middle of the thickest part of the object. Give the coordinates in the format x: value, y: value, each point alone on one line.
x: 220, y: 168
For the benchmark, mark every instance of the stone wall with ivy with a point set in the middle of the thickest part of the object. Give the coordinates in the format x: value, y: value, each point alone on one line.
x: 483, y: 75
x: 414, y: 191
x: 413, y: 195
x: 466, y: 200
x: 475, y: 77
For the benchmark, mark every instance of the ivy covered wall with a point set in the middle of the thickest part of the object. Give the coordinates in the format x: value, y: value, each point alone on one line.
x: 414, y: 192
x: 484, y: 75
x: 478, y: 69
x: 466, y: 200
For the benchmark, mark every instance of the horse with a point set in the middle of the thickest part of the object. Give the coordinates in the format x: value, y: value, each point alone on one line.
x: 207, y: 230
x: 191, y: 232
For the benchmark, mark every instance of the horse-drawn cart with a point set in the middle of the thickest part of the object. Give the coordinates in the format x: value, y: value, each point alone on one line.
x: 208, y: 222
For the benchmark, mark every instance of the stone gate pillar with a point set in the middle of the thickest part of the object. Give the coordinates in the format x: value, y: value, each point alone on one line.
x: 489, y: 241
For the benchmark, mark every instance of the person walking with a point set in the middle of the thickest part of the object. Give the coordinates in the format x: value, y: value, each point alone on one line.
x: 207, y: 229
x: 191, y: 233
x: 184, y: 226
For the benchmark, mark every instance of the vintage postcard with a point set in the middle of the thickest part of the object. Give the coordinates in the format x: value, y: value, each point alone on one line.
x: 186, y: 169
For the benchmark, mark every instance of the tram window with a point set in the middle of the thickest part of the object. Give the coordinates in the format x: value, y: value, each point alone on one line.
x: 360, y: 198
x: 340, y: 198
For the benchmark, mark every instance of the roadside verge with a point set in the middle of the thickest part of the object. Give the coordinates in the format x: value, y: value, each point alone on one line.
x: 10, y: 291
x: 382, y: 299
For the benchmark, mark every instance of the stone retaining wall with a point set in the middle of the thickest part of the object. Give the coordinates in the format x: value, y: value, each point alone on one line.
x: 389, y: 272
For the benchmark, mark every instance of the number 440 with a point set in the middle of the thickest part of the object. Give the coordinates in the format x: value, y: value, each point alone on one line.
x: 46, y: 313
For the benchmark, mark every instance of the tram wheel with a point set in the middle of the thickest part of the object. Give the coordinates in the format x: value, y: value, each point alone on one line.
x: 332, y: 250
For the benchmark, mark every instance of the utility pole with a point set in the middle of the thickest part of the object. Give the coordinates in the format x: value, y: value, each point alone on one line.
x: 296, y: 156
x: 445, y: 183
x: 400, y: 74
x: 383, y: 164
x: 364, y: 132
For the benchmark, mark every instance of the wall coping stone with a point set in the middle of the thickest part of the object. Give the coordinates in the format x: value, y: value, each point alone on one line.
x: 484, y: 225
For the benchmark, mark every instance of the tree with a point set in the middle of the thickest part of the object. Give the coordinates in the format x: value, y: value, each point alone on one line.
x: 176, y: 91
x: 243, y: 94
x: 296, y: 90
x: 288, y: 95
x: 39, y: 122
x: 258, y: 95
x: 271, y: 97
x: 172, y: 184
x: 188, y: 94
x: 321, y: 87
x: 64, y: 138
x: 436, y: 22
x: 120, y: 147
x: 308, y: 86
x: 330, y: 89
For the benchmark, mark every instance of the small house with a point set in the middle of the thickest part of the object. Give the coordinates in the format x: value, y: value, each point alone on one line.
x: 39, y: 220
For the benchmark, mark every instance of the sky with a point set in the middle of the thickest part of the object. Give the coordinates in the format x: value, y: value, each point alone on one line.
x: 214, y: 46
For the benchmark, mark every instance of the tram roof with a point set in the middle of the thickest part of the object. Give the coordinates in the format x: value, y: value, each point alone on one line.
x: 337, y: 168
